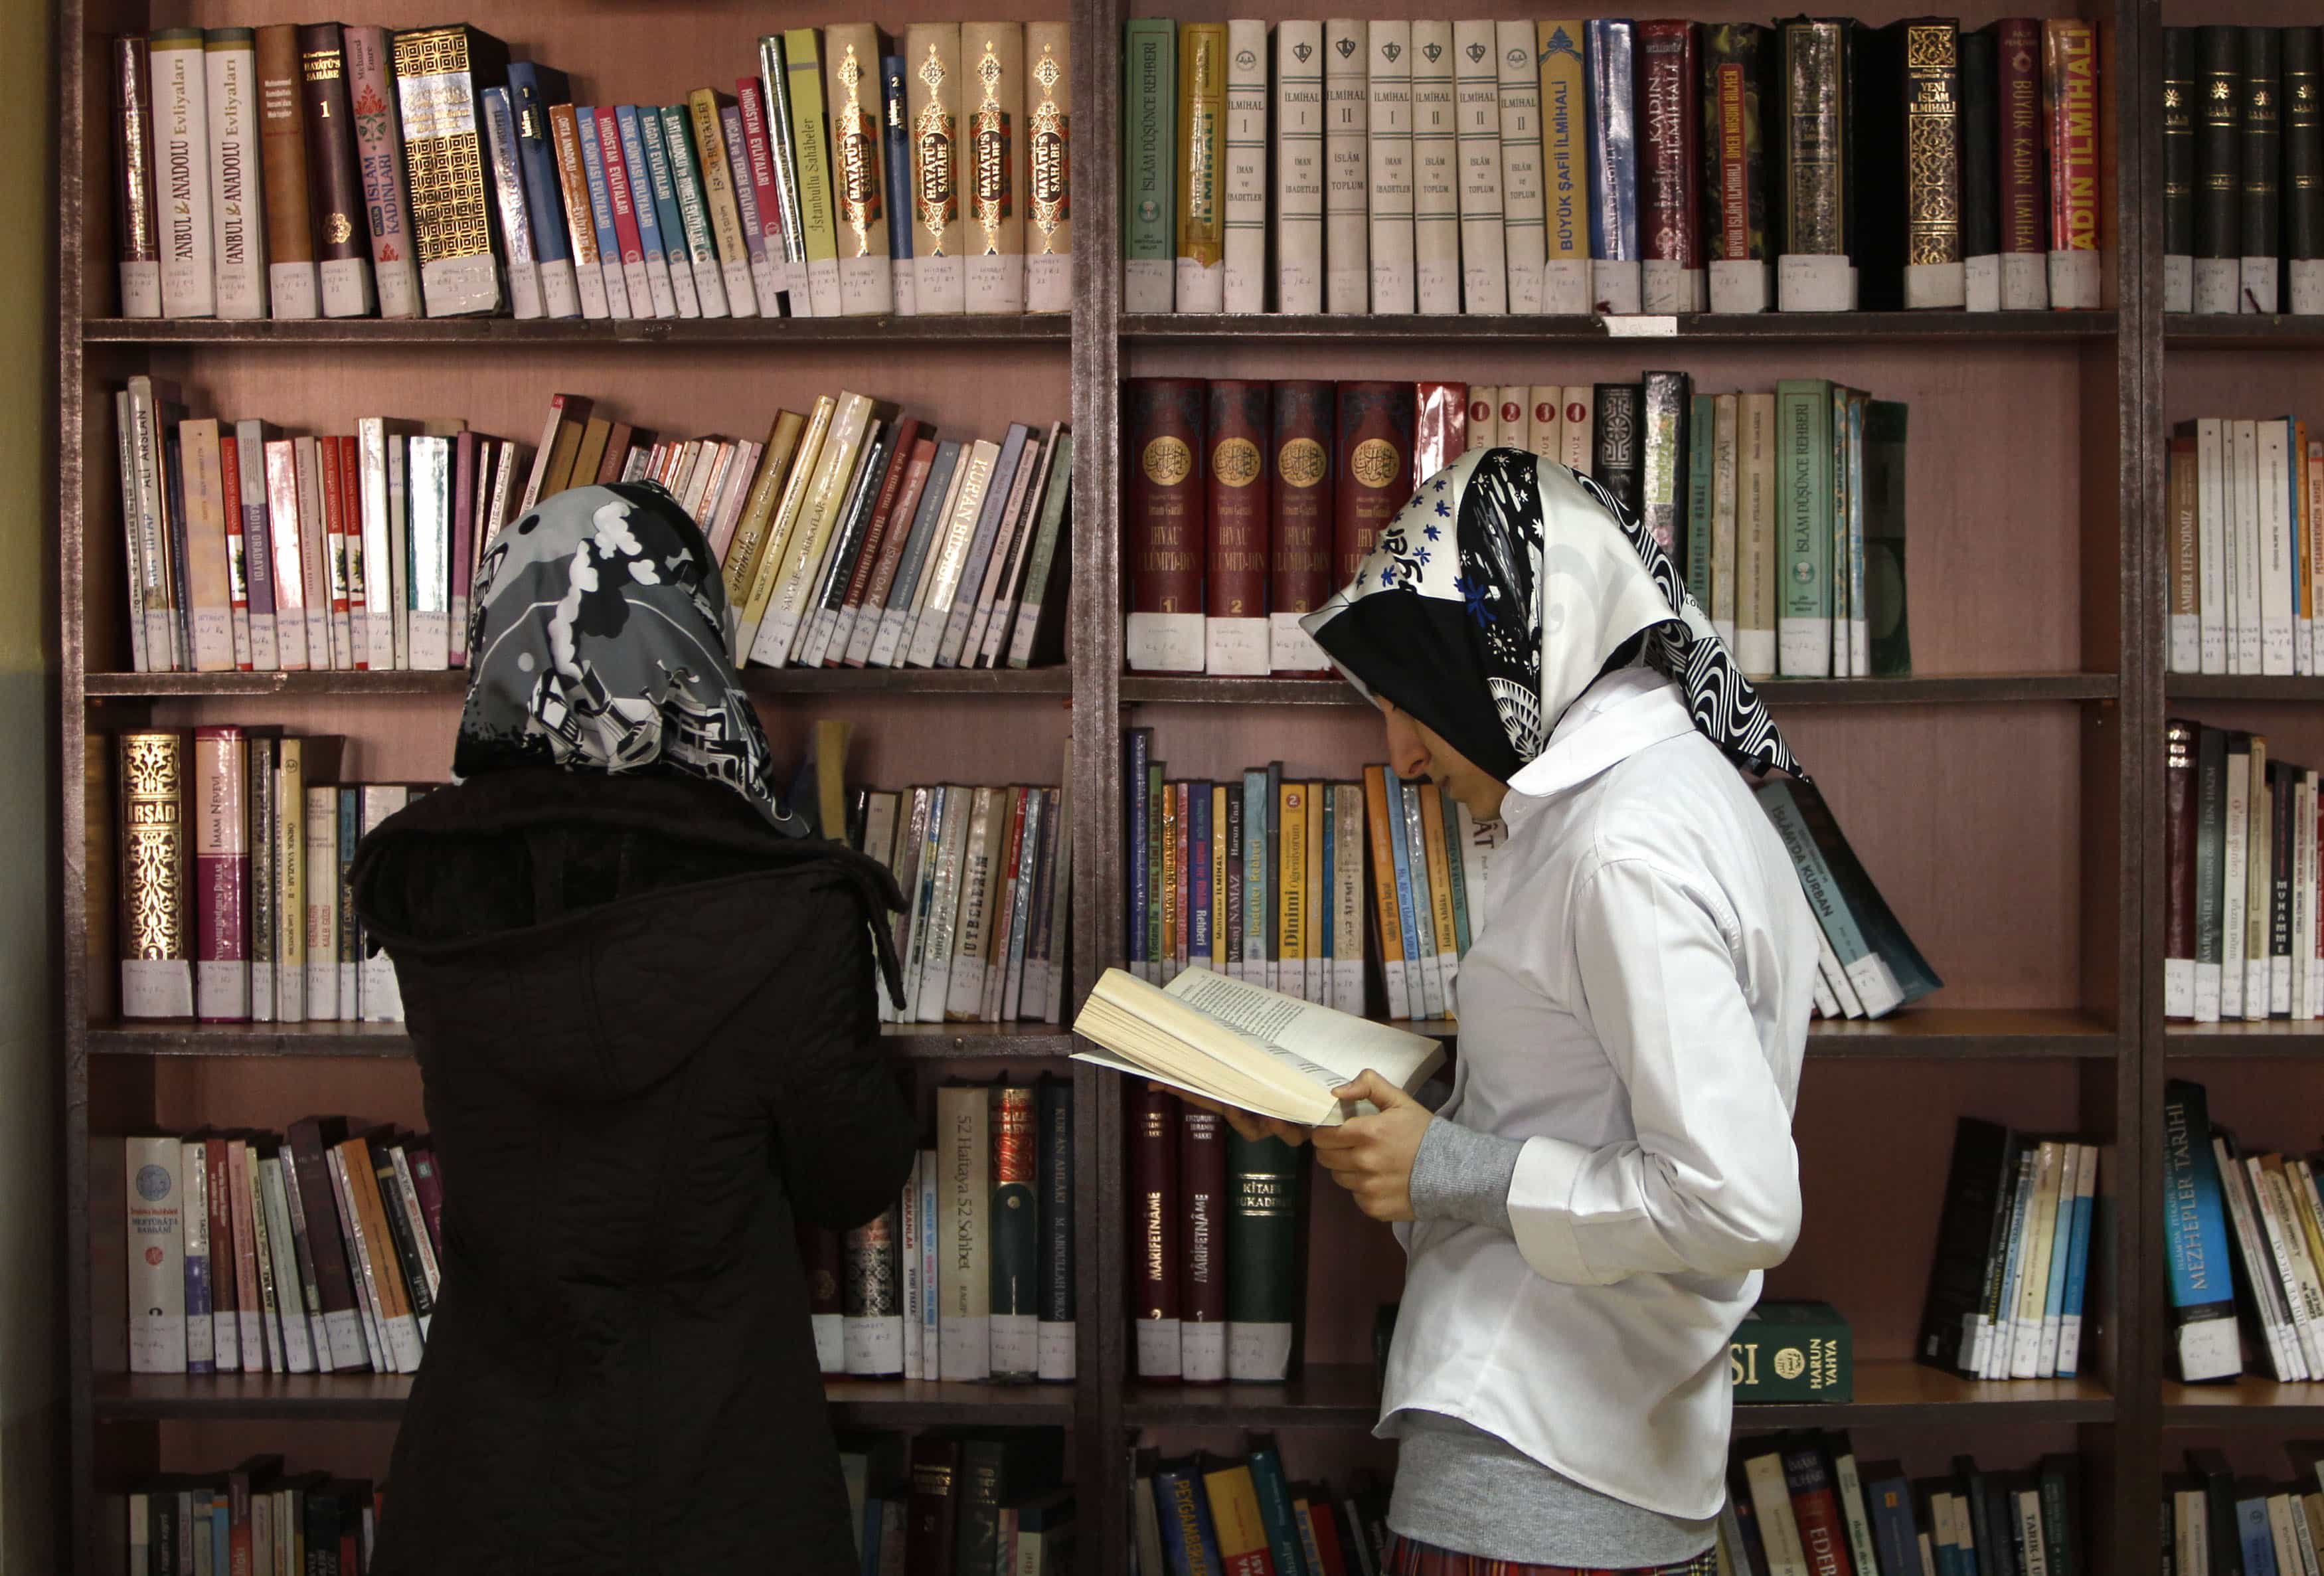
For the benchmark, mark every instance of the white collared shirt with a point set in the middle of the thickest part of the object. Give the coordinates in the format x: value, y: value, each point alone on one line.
x: 1635, y: 1009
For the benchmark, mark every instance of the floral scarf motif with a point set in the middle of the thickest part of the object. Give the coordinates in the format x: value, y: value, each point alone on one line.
x: 599, y: 642
x: 1496, y: 595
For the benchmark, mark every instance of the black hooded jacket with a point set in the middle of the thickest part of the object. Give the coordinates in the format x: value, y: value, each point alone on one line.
x: 646, y: 1026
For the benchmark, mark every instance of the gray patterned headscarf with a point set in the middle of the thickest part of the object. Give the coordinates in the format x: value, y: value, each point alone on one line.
x: 599, y: 642
x: 1498, y: 594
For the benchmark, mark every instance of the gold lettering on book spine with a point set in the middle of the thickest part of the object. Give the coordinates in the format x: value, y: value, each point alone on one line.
x: 1050, y: 199
x: 936, y: 199
x: 857, y: 135
x: 988, y: 134
x: 1932, y: 147
x: 443, y: 158
x: 154, y: 846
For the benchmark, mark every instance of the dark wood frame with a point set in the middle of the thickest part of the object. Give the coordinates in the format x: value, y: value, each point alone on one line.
x: 2115, y: 1040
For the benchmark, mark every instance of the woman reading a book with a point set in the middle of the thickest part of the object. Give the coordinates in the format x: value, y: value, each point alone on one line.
x: 1587, y: 1218
x: 640, y: 995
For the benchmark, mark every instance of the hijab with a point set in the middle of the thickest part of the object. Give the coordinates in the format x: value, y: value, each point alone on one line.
x: 1503, y: 590
x: 599, y: 643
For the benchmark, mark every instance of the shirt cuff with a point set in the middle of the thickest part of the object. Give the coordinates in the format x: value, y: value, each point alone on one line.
x: 1541, y: 1212
x: 1463, y: 1174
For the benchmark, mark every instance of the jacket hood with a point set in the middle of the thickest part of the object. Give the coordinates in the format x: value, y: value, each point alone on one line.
x: 585, y: 936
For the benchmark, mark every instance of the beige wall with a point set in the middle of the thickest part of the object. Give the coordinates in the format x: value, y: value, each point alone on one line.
x: 31, y: 1437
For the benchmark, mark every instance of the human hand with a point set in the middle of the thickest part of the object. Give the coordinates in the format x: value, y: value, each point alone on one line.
x: 1250, y: 1124
x: 1371, y: 1156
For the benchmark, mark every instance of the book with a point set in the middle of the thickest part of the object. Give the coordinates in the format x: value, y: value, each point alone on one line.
x: 1978, y: 127
x: 379, y: 156
x: 1388, y: 150
x: 181, y: 130
x: 858, y: 175
x: 2202, y: 1300
x: 136, y: 227
x: 1609, y: 59
x: 2070, y: 104
x: 1049, y: 194
x: 1437, y: 168
x: 236, y: 191
x: 1912, y: 229
x: 1238, y: 421
x: 1813, y: 77
x: 1669, y: 167
x: 2024, y: 198
x: 1522, y: 200
x: 154, y: 1253
x: 1737, y: 96
x: 1347, y: 171
x: 812, y: 169
x: 1202, y: 1035
x: 1198, y: 176
x: 1791, y: 1351
x: 439, y: 72
x: 1373, y: 436
x: 1165, y: 523
x: 1149, y: 162
x: 1565, y: 180
x: 1477, y: 107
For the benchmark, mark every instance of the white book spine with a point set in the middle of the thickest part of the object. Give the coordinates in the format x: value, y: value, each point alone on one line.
x: 1388, y: 135
x: 379, y: 633
x: 1436, y: 169
x: 1347, y: 190
x: 181, y: 136
x: 2235, y: 885
x: 155, y: 1249
x: 1524, y: 237
x: 1246, y: 168
x: 2210, y: 545
x: 2245, y: 596
x: 293, y: 1314
x: 2277, y: 519
x: 1299, y: 167
x: 237, y: 211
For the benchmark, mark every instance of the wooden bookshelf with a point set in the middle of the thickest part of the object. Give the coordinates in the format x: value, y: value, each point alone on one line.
x: 2005, y: 797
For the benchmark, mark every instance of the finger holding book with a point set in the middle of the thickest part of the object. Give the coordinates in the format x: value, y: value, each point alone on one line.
x: 1372, y: 1155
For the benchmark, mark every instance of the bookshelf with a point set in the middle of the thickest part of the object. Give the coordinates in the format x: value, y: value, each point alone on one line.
x: 2006, y: 797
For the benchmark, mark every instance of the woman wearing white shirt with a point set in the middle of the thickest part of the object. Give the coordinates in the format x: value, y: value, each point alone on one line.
x: 1590, y: 1210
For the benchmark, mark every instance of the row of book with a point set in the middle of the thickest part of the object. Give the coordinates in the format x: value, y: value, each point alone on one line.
x: 2245, y: 546
x: 1803, y: 1505
x: 2242, y: 229
x: 1609, y: 166
x: 1243, y: 1513
x: 948, y: 1502
x: 969, y: 1275
x: 331, y: 170
x: 2222, y: 1524
x: 236, y: 848
x: 2007, y: 1286
x: 2245, y: 1233
x: 1265, y: 881
x: 255, y: 1252
x: 1248, y: 502
x: 258, y: 1518
x: 2242, y: 938
x: 1222, y: 1262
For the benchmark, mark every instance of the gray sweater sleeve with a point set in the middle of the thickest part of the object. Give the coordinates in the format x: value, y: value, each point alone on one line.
x: 1463, y: 1174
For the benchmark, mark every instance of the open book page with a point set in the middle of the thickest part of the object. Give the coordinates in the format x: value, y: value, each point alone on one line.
x: 1329, y: 1119
x: 1340, y: 1044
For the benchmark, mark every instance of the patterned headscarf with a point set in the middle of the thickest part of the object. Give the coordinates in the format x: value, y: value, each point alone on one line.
x: 599, y: 642
x: 1498, y: 594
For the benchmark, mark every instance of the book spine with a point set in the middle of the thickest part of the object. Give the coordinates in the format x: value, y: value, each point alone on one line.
x: 320, y: 916
x: 155, y: 1239
x: 965, y: 1185
x: 2070, y: 98
x: 768, y: 265
x: 812, y: 167
x: 2178, y: 88
x: 1347, y: 167
x: 440, y: 72
x: 250, y: 1322
x: 2218, y: 164
x: 1154, y: 1202
x: 700, y: 250
x: 1477, y: 107
x: 782, y: 152
x: 182, y: 125
x: 379, y: 158
x: 334, y: 183
x: 1522, y: 201
x: 2303, y: 164
x: 1201, y: 1269
x: 1300, y: 511
x: 867, y: 284
x: 1265, y: 1263
x: 2024, y: 189
x: 136, y: 227
x: 1199, y: 143
x: 1372, y: 442
x: 1165, y: 525
x: 1237, y: 499
x: 2202, y: 1303
x: 1299, y: 172
x: 221, y: 854
x: 1609, y: 59
x: 932, y: 57
x: 1437, y: 168
x: 669, y: 268
x: 506, y: 180
x: 998, y: 164
x: 1933, y: 272
x: 1566, y: 166
x: 1804, y: 494
x: 1812, y: 150
x: 2261, y: 144
x: 531, y: 95
x: 735, y: 202
x: 201, y: 1328
x: 1056, y: 1334
x: 1669, y: 167
x: 1388, y: 153
x: 871, y: 1331
x: 237, y: 208
x: 1048, y: 164
x: 157, y: 953
x: 1734, y: 150
x: 1979, y: 126
x: 620, y: 258
x: 1663, y: 450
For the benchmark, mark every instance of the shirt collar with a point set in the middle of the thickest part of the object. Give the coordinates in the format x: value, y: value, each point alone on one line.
x: 1614, y: 719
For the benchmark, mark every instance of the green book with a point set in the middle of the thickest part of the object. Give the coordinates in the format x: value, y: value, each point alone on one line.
x: 1267, y: 1259
x: 693, y: 210
x: 1804, y: 499
x: 1884, y: 538
x: 1454, y: 873
x: 1149, y: 108
x: 1702, y: 434
x: 1851, y: 492
x: 1841, y: 576
x: 803, y: 64
x: 1791, y: 1351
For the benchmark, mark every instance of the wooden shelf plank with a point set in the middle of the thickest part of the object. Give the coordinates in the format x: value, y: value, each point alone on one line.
x: 917, y: 1042
x: 360, y: 1397
x: 1872, y: 326
x: 763, y: 681
x: 2240, y: 687
x: 2273, y: 1041
x: 690, y: 333
x: 1347, y: 1395
x: 2247, y: 1404
x: 1968, y: 1032
x: 2241, y: 331
x: 1202, y: 689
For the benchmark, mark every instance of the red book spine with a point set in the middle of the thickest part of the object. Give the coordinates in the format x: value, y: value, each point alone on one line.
x: 221, y: 878
x: 1670, y: 164
x: 2025, y: 195
x: 1371, y: 456
x: 1154, y: 1205
x: 1163, y: 519
x: 225, y: 1267
x: 428, y: 1184
x: 351, y: 489
x: 1300, y: 493
x: 1201, y: 1267
x: 2071, y: 84
x: 1440, y: 433
x: 883, y: 510
x: 762, y: 163
x: 891, y: 551
x: 335, y: 500
x: 1237, y: 504
x: 618, y: 189
x: 1821, y: 1538
x: 934, y: 1504
x: 1730, y: 87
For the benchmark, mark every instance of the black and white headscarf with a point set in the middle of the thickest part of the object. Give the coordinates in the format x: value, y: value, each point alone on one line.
x: 1498, y: 594
x: 599, y: 642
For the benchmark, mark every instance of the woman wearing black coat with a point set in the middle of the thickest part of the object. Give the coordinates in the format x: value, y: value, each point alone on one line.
x: 641, y: 995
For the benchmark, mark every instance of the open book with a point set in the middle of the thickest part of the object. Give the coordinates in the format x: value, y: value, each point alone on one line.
x: 1244, y: 1045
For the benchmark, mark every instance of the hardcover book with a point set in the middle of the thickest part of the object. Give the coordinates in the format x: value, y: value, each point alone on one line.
x: 1669, y: 167
x: 379, y: 155
x: 439, y: 71
x: 136, y: 228
x: 1347, y: 178
x: 1436, y: 169
x: 1815, y: 235
x: 1236, y: 630
x: 1048, y: 162
x: 1565, y: 172
x: 1477, y: 106
x: 1522, y: 219
x: 1736, y: 101
x: 992, y: 54
x: 2179, y: 90
x: 1371, y: 479
x: 1201, y: 145
x: 859, y: 176
x: 1614, y: 254
x: 1388, y: 138
x: 181, y: 126
x: 335, y: 187
x: 2070, y: 78
x: 237, y: 209
x: 1149, y: 96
